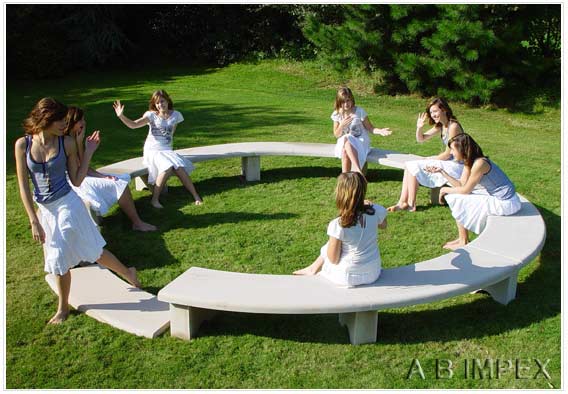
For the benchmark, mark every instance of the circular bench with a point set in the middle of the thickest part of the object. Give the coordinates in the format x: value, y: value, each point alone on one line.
x: 491, y: 262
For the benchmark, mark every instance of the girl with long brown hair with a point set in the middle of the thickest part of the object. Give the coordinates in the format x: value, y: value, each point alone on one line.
x: 159, y: 156
x: 62, y: 223
x: 351, y: 256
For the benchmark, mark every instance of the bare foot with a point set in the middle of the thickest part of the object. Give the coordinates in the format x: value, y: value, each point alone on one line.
x: 59, y: 317
x: 455, y: 244
x: 156, y: 204
x: 199, y: 202
x: 411, y: 208
x: 401, y: 206
x: 132, y: 277
x: 306, y: 271
x: 143, y: 226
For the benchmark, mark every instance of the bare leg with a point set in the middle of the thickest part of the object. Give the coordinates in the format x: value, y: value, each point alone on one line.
x: 412, y: 187
x: 345, y: 162
x: 311, y: 269
x: 110, y: 261
x: 126, y: 203
x: 63, y: 289
x: 407, y: 199
x: 463, y: 239
x: 188, y: 184
x: 353, y: 156
x: 160, y: 183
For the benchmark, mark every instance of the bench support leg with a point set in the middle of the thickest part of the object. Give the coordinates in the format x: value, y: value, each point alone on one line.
x: 250, y: 168
x: 362, y: 326
x: 435, y: 196
x: 186, y: 320
x: 504, y: 292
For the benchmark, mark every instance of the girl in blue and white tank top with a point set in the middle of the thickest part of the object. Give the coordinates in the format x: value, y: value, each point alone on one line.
x: 159, y: 156
x: 440, y: 115
x: 472, y: 205
x: 62, y: 224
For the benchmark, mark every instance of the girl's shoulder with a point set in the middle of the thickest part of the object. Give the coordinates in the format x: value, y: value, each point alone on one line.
x: 360, y: 112
x: 149, y: 114
x: 336, y: 116
x: 21, y: 144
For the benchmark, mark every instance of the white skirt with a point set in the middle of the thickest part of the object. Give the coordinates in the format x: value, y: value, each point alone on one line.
x: 158, y: 161
x: 71, y: 236
x: 344, y: 273
x: 471, y: 210
x: 431, y: 180
x: 361, y: 144
x: 102, y: 193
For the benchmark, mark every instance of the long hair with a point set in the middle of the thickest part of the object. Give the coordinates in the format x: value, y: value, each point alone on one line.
x: 158, y: 94
x: 350, y: 197
x: 74, y: 116
x: 467, y: 147
x: 343, y: 94
x: 43, y: 114
x: 444, y: 106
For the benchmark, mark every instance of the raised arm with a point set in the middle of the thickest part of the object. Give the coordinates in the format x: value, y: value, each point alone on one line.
x: 25, y: 192
x: 453, y: 130
x: 424, y: 136
x: 132, y: 124
x: 77, y: 169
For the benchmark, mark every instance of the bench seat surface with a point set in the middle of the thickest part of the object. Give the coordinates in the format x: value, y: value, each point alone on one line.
x: 108, y: 299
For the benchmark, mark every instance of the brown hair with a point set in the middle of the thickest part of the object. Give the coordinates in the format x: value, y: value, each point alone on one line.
x: 467, y: 147
x: 350, y: 197
x: 444, y: 106
x: 74, y: 115
x: 343, y: 94
x: 158, y: 94
x: 43, y: 114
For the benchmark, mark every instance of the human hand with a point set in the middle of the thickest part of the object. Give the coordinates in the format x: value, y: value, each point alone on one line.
x: 79, y: 134
x: 432, y: 169
x: 421, y: 121
x: 37, y: 232
x: 92, y: 142
x: 347, y: 121
x: 118, y: 108
x: 384, y: 132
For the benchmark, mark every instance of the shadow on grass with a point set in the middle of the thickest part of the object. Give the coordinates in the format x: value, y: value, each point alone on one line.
x: 537, y: 299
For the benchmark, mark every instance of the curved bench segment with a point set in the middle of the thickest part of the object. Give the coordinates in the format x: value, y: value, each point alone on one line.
x: 491, y: 261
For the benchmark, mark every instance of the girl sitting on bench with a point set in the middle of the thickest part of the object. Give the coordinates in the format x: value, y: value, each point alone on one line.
x: 470, y: 207
x: 351, y: 257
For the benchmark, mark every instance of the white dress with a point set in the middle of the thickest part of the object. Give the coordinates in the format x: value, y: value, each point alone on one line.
x: 431, y: 180
x: 360, y: 259
x: 158, y: 148
x: 356, y: 133
x: 102, y: 193
x: 71, y: 236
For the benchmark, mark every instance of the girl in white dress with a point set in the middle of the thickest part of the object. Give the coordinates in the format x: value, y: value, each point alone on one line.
x: 472, y: 205
x: 351, y: 127
x: 62, y: 224
x: 159, y: 156
x: 351, y: 257
x: 439, y: 114
x: 101, y: 191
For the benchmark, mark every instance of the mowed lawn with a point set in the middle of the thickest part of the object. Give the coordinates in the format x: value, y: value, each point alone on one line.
x: 275, y: 226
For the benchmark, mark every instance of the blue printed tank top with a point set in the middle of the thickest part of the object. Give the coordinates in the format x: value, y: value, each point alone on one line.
x: 497, y: 183
x: 49, y: 178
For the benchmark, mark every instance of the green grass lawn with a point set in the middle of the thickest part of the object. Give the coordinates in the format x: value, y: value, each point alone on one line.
x: 275, y: 226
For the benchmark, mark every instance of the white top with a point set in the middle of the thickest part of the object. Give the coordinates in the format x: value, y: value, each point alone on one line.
x: 356, y: 127
x: 161, y: 131
x: 359, y: 243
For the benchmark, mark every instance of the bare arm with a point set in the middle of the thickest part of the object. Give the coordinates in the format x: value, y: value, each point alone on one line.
x: 420, y: 122
x: 76, y: 169
x: 372, y: 129
x: 25, y: 192
x: 383, y: 224
x: 132, y: 124
x: 468, y: 180
x: 333, y: 250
